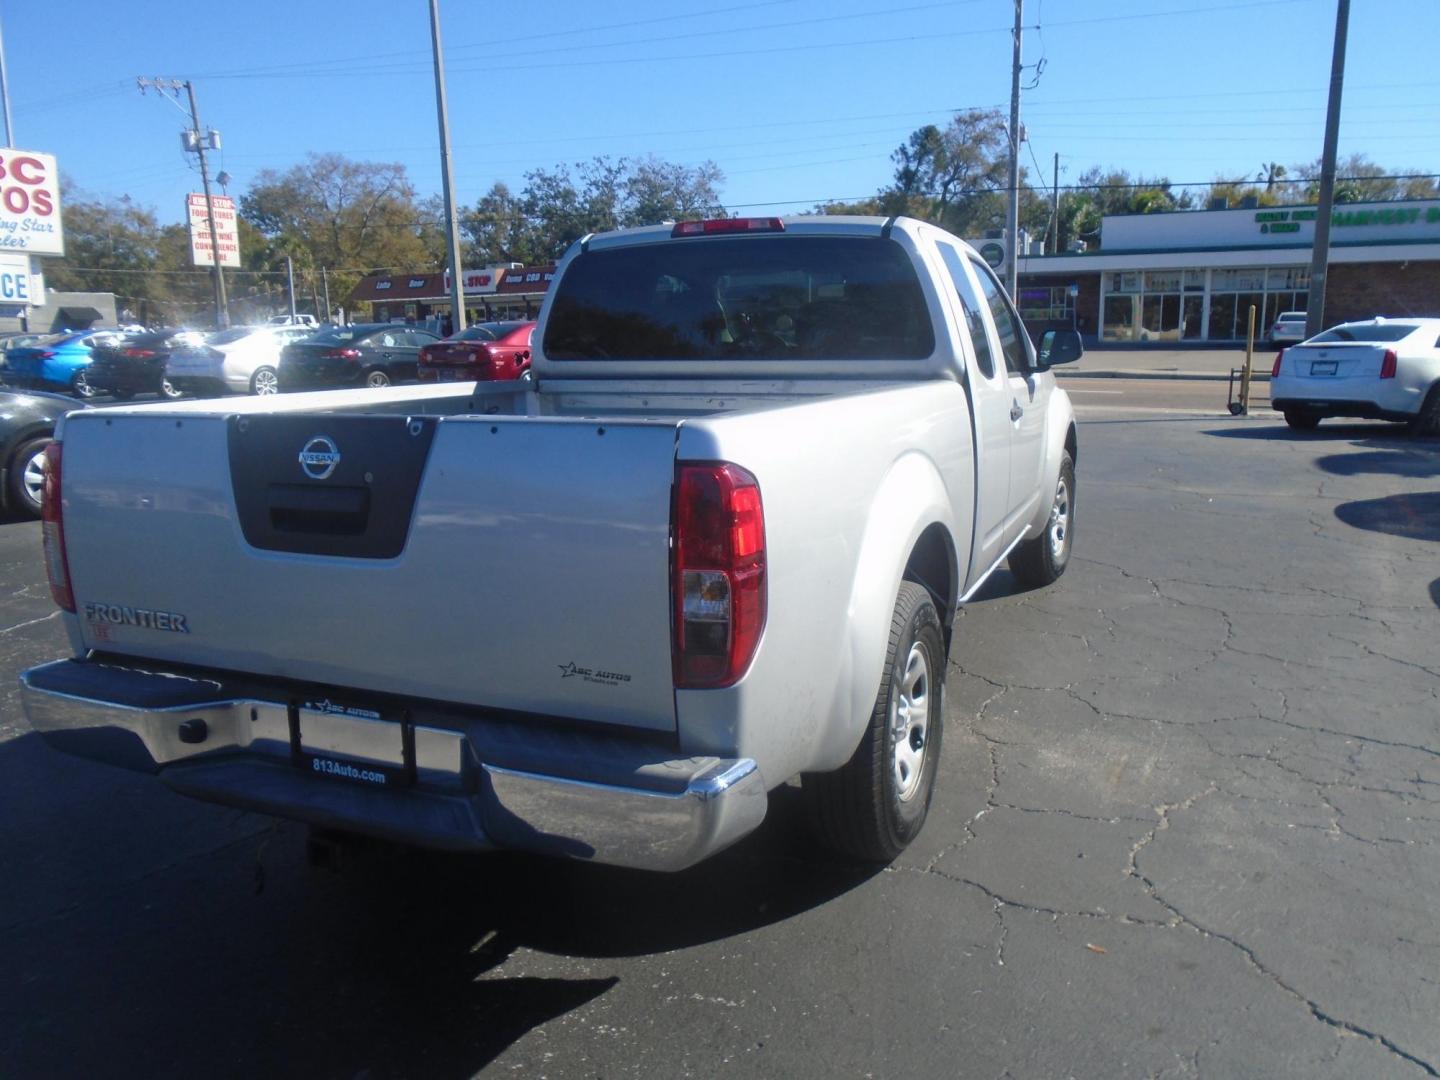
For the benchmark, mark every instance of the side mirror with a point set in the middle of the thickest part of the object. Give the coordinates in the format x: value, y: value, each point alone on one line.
x: 1059, y: 347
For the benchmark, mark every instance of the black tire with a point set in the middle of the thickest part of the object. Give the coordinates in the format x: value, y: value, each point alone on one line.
x: 23, y: 493
x: 865, y: 810
x: 1427, y: 420
x: 1040, y: 562
x: 375, y: 378
x: 1301, y: 419
x: 80, y: 385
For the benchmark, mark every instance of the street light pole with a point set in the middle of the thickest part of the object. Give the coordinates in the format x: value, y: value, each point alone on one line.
x: 447, y: 179
x: 1320, y: 256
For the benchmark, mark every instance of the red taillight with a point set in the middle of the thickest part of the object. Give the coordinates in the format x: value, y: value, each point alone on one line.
x: 52, y: 531
x: 343, y: 354
x: 1387, y: 365
x: 719, y: 584
x: 728, y: 225
x: 138, y: 354
x: 1275, y: 367
x: 45, y: 354
x: 425, y: 354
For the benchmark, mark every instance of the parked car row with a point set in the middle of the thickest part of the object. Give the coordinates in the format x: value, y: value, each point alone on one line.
x: 281, y: 355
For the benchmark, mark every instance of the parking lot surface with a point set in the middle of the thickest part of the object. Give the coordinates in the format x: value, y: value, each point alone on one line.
x: 1186, y: 826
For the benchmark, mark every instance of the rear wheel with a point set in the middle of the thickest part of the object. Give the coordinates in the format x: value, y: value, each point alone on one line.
x: 169, y: 390
x: 27, y: 476
x: 1041, y: 561
x: 1427, y: 420
x: 873, y: 806
x: 264, y: 382
x: 80, y: 385
x: 1302, y: 419
x: 376, y: 378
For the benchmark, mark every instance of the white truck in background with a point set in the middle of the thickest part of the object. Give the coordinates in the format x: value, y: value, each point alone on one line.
x: 717, y: 543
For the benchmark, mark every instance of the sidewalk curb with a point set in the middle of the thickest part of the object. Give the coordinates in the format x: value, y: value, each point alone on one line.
x: 1184, y: 376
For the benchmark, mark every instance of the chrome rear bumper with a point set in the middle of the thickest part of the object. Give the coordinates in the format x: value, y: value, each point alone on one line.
x: 415, y: 772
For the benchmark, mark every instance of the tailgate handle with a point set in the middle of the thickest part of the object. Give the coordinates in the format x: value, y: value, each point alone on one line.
x: 333, y: 511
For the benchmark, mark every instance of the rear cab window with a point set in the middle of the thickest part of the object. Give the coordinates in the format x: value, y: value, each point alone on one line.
x: 772, y: 297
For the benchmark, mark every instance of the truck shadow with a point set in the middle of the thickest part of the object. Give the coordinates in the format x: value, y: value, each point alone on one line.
x: 1400, y: 461
x: 1377, y: 432
x: 132, y: 912
x: 1412, y: 515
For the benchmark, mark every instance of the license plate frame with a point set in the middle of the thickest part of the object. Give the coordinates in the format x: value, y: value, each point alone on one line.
x: 353, y: 743
x: 1324, y: 367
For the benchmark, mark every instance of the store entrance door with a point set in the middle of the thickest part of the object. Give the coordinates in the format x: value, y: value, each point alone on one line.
x: 1191, y: 318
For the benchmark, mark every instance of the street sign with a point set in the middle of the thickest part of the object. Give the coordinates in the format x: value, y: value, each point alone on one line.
x: 30, y: 203
x: 227, y: 230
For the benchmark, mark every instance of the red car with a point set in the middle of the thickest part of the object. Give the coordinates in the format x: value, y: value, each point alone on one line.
x: 480, y: 353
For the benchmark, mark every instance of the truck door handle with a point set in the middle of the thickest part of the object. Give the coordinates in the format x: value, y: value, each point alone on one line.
x: 1016, y: 412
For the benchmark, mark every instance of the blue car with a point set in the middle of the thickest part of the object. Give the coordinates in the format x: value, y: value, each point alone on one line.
x: 56, y: 363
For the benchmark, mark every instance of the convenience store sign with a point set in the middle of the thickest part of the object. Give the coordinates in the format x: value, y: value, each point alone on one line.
x: 1288, y: 221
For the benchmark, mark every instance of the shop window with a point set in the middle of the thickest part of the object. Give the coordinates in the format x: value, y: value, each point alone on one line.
x: 1194, y: 281
x: 1247, y: 279
x: 1046, y: 304
x: 1162, y: 281
x: 1222, y: 317
x: 1283, y: 278
x: 1119, y: 323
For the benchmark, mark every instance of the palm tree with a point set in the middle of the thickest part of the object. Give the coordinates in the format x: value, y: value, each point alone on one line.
x: 1271, y: 173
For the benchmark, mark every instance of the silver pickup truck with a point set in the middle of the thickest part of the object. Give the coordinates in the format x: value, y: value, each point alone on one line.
x: 717, y: 543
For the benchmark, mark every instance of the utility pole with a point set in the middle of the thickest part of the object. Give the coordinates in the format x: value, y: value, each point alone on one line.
x: 1320, y: 256
x: 222, y: 303
x: 447, y: 179
x: 325, y: 280
x: 5, y: 94
x: 290, y: 284
x: 1055, y: 207
x: 1012, y: 210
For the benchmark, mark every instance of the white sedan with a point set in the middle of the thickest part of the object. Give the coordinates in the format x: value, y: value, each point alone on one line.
x: 1380, y: 369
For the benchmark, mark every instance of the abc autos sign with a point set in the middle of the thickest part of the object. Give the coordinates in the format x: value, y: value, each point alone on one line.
x: 30, y: 203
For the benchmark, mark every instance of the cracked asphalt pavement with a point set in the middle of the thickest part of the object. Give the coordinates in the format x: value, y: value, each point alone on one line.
x: 1186, y: 827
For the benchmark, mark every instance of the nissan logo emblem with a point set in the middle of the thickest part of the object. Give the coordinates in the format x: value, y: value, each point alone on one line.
x: 319, y: 456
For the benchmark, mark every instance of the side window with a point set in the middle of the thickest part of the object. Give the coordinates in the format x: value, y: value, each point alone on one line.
x: 970, y: 305
x: 1007, y: 322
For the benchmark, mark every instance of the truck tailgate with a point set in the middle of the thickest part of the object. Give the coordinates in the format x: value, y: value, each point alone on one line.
x: 514, y: 563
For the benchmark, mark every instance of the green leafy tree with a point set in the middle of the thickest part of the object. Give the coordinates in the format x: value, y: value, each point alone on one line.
x: 344, y: 215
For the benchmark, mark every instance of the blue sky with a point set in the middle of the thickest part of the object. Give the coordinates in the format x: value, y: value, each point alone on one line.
x: 797, y: 100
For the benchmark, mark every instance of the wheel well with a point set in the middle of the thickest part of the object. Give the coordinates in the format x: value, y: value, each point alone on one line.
x: 932, y: 564
x: 1072, y: 444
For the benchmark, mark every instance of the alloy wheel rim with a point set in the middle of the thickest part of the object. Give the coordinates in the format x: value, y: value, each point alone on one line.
x: 34, y: 476
x: 910, y: 722
x: 378, y: 378
x: 1060, y: 521
x: 266, y: 382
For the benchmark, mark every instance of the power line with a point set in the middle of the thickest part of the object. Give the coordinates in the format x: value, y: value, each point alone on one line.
x: 570, y: 62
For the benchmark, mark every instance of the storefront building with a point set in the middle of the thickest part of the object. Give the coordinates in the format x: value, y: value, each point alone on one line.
x: 494, y: 293
x: 1194, y: 275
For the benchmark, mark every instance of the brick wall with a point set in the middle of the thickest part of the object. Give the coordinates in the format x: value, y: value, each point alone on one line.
x: 1361, y: 291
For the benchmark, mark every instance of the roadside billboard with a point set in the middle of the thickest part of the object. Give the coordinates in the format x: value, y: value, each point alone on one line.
x: 227, y: 231
x: 19, y: 286
x: 30, y: 203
